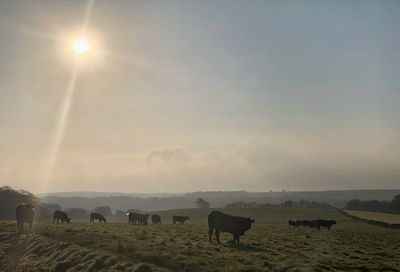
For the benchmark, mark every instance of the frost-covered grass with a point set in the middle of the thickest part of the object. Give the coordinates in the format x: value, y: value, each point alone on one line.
x: 269, y: 246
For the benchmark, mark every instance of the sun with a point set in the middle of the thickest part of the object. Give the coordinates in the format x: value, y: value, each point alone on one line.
x: 81, y: 45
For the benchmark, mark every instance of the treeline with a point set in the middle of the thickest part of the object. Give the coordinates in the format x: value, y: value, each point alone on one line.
x: 9, y: 198
x: 375, y: 205
x: 123, y: 202
x: 288, y: 203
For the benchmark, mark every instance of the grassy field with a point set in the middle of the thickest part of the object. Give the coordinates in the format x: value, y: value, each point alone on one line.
x: 383, y: 217
x: 269, y: 246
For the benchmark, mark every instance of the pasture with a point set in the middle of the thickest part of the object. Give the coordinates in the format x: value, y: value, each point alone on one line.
x: 271, y: 245
x: 383, y: 217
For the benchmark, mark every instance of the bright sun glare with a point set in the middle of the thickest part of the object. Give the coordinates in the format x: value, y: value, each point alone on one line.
x: 81, y: 45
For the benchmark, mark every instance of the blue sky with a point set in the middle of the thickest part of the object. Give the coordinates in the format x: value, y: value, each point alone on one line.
x: 189, y: 93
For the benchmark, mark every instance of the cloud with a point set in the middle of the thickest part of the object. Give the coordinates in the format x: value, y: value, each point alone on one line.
x: 254, y: 165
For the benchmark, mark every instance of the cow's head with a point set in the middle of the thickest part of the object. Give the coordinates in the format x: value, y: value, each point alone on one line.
x: 245, y: 224
x: 68, y: 220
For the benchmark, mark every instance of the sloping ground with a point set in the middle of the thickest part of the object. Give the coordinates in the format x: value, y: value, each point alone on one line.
x: 34, y: 252
x: 383, y: 217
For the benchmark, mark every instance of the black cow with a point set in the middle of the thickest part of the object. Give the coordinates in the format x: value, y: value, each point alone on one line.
x: 130, y: 218
x: 137, y: 218
x: 296, y: 223
x: 222, y: 222
x: 326, y: 223
x: 59, y: 215
x: 24, y: 213
x: 143, y: 218
x: 179, y: 219
x: 97, y: 216
x: 156, y: 219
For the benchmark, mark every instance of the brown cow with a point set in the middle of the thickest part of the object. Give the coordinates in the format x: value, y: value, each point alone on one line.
x: 24, y: 213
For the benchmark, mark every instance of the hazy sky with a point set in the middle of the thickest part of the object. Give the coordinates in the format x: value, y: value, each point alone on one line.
x: 203, y: 95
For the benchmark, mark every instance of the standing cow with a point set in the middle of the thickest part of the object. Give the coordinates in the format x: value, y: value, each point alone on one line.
x: 59, y: 215
x: 156, y: 219
x: 24, y: 213
x: 131, y: 218
x: 326, y: 223
x: 143, y: 218
x: 179, y: 219
x: 222, y: 222
x: 138, y: 218
x: 97, y: 216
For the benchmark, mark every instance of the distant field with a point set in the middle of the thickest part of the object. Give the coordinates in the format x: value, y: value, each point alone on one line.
x: 383, y: 217
x: 269, y: 246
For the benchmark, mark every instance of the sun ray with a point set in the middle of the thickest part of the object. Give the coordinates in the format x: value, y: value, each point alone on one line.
x: 57, y: 138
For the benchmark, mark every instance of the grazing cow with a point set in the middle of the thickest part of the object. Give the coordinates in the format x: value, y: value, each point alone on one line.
x: 179, y: 219
x: 156, y: 219
x: 222, y: 222
x: 24, y: 213
x: 296, y: 223
x: 314, y: 224
x: 143, y: 218
x: 137, y: 218
x: 305, y: 223
x: 59, y: 215
x: 97, y: 216
x: 326, y: 223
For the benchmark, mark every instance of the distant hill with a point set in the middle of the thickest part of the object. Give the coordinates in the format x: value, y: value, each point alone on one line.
x: 102, y: 194
x: 151, y: 202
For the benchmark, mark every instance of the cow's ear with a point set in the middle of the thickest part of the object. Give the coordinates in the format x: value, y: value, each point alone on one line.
x: 252, y: 220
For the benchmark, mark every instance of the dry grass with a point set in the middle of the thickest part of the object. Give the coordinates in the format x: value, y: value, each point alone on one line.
x: 270, y: 246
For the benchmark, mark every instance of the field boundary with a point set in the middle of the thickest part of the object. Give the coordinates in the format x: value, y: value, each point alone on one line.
x: 370, y: 221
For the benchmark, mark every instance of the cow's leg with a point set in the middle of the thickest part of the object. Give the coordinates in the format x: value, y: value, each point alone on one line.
x: 30, y: 227
x: 217, y: 232
x: 19, y: 226
x: 237, y: 238
x: 210, y: 233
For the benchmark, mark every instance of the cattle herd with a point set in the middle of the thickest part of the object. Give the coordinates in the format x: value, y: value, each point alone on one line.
x: 217, y: 221
x: 319, y: 223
